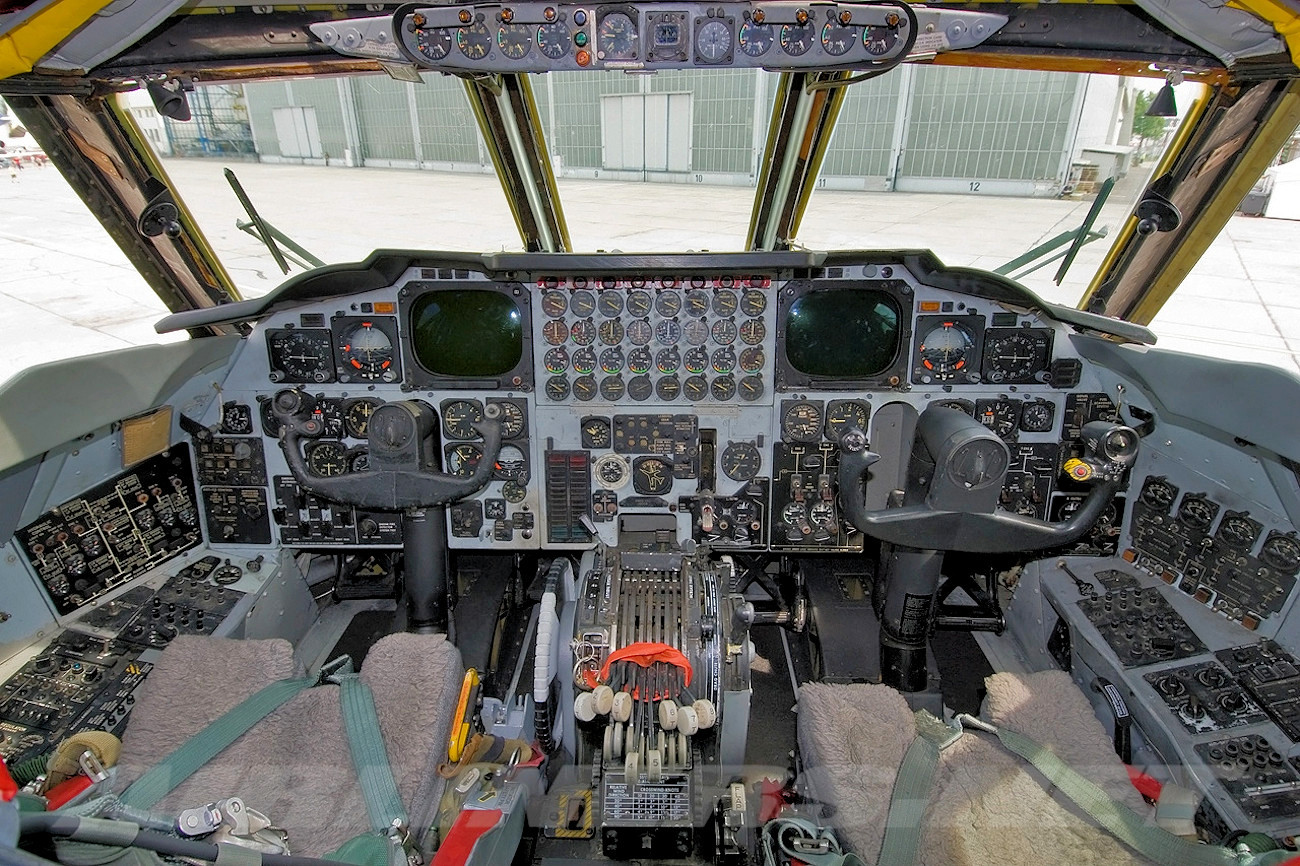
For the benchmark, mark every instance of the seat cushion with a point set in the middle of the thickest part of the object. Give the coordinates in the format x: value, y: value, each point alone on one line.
x: 295, y: 765
x: 986, y: 805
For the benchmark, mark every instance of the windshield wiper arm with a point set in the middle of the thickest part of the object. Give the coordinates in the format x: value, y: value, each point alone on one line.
x: 263, y: 230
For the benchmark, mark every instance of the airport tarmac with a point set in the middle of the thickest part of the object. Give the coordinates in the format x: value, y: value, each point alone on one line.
x: 67, y: 289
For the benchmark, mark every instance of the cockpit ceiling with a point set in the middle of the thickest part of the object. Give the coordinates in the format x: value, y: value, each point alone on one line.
x: 211, y: 41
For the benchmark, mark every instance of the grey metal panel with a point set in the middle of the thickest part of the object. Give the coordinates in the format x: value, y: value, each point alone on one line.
x: 657, y: 131
x: 27, y: 610
x: 679, y: 132
x: 94, y: 391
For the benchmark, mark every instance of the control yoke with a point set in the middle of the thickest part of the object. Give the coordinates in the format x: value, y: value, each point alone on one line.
x: 403, y: 464
x: 954, y: 482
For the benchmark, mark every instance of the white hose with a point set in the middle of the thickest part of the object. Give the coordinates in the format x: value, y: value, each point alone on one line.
x: 547, y: 626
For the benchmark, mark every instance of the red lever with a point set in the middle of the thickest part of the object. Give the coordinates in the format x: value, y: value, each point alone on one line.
x: 646, y: 654
x: 8, y: 787
x: 59, y: 796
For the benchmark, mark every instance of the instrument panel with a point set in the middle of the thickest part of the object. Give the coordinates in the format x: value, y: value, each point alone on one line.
x: 545, y: 37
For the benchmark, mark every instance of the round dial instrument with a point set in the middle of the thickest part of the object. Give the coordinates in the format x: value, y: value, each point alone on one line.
x: 512, y: 418
x: 755, y: 39
x: 752, y: 331
x: 327, y: 459
x: 433, y: 44
x: 356, y: 416
x: 753, y: 303
x: 1037, y: 416
x: 583, y: 332
x: 1159, y: 493
x: 556, y: 360
x: 696, y: 360
x: 596, y: 432
x: 802, y: 422
x: 555, y: 332
x: 1197, y: 512
x: 639, y: 388
x: 741, y: 461
x: 1238, y: 530
x: 725, y: 303
x: 511, y: 464
x: 651, y: 476
x: 668, y: 360
x: 695, y: 388
x: 611, y: 471
x: 697, y: 302
x: 668, y: 331
x: 463, y: 459
x: 366, y: 352
x: 557, y: 387
x: 611, y: 360
x: 640, y: 360
x: 725, y: 331
x: 554, y: 304
x: 751, y: 360
x: 668, y: 304
x: 878, y: 40
x: 713, y: 41
x: 843, y: 416
x: 515, y: 40
x: 668, y: 388
x: 553, y: 39
x: 750, y: 388
x: 1015, y: 356
x: 583, y: 303
x: 639, y: 303
x: 723, y: 388
x: 945, y: 349
x: 723, y: 360
x: 1000, y: 416
x: 696, y: 332
x: 1282, y: 552
x: 584, y: 388
x: 616, y: 37
x: 612, y: 388
x: 609, y: 304
x: 458, y: 418
x: 640, y: 332
x: 611, y: 332
x: 300, y: 356
x: 474, y: 41
x: 838, y: 39
x: 796, y: 39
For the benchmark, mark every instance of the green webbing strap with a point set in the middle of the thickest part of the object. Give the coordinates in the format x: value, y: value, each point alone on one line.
x: 911, y: 792
x: 369, y: 756
x: 208, y: 743
x: 1119, y: 820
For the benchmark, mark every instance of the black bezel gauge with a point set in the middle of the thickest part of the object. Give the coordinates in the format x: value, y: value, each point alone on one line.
x: 300, y: 355
x: 474, y: 41
x: 714, y: 40
x: 796, y: 39
x: 1016, y: 356
x: 366, y: 348
x: 948, y: 349
x: 515, y: 40
x: 553, y: 39
x: 617, y: 38
x: 755, y: 39
x: 838, y: 39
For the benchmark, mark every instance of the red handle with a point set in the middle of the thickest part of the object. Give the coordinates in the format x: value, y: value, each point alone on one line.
x: 8, y: 787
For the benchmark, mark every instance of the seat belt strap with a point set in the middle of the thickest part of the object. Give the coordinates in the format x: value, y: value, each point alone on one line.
x: 369, y: 755
x: 911, y: 792
x: 191, y: 755
x: 1119, y: 820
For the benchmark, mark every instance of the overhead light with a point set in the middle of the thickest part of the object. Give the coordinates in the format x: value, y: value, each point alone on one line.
x: 169, y: 98
x: 1163, y: 105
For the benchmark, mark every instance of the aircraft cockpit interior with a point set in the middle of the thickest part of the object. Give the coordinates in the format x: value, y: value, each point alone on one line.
x: 548, y: 556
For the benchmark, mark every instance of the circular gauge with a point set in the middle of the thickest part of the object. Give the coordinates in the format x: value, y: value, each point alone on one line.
x: 616, y: 37
x: 724, y: 331
x: 583, y: 332
x: 1159, y: 493
x: 609, y: 304
x: 959, y: 405
x: 639, y: 388
x: 555, y: 332
x: 459, y: 418
x: 944, y: 349
x: 513, y: 420
x: 236, y: 419
x: 696, y: 360
x: 595, y: 432
x: 753, y: 331
x: 668, y: 332
x: 695, y: 388
x: 474, y: 41
x: 611, y: 360
x: 640, y: 360
x: 651, y: 476
x: 753, y: 303
x: 843, y: 416
x: 668, y: 360
x: 978, y: 463
x: 366, y: 352
x: 802, y: 422
x: 554, y: 304
x: 1197, y: 512
x: 553, y: 39
x: 1000, y: 416
x: 1037, y: 416
x: 1238, y: 530
x: 356, y: 417
x: 510, y: 465
x: 513, y: 491
x: 640, y: 332
x: 796, y: 39
x: 557, y: 387
x: 328, y: 414
x: 1281, y: 552
x: 723, y: 360
x: 327, y: 459
x: 300, y: 356
x: 433, y: 44
x: 755, y: 39
x: 750, y: 388
x: 696, y: 332
x: 879, y: 41
x: 515, y: 40
x: 668, y: 388
x: 583, y: 303
x: 725, y: 303
x: 723, y: 388
x: 741, y: 461
x: 751, y: 360
x: 639, y: 303
x: 697, y: 302
x: 713, y: 41
x: 838, y: 39
x: 463, y: 459
x: 611, y: 471
x: 556, y: 360
x: 1015, y: 356
x: 668, y: 304
x: 584, y: 388
x: 612, y: 388
x: 611, y: 332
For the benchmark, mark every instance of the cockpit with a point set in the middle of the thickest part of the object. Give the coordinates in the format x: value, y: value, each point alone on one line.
x: 773, y: 555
